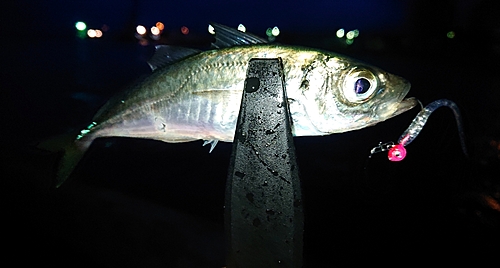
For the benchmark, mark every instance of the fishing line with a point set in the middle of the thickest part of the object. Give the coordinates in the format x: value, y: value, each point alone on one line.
x: 397, y: 152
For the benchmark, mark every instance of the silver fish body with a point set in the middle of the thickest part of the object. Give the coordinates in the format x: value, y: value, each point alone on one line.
x: 199, y: 96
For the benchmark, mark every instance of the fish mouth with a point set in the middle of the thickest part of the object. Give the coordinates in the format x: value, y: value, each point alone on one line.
x: 405, y: 105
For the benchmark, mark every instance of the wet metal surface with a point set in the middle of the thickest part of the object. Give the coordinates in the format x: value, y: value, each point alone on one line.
x: 264, y: 218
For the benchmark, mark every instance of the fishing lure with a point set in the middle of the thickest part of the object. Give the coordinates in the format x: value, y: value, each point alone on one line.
x: 397, y: 152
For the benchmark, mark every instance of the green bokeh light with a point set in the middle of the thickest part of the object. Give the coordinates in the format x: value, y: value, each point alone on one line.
x: 269, y: 32
x: 80, y: 26
x: 340, y: 33
x: 350, y: 35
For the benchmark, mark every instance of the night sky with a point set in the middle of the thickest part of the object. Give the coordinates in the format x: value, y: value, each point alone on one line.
x: 142, y: 203
x: 366, y: 15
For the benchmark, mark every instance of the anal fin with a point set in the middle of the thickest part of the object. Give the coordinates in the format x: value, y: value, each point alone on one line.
x: 212, y: 143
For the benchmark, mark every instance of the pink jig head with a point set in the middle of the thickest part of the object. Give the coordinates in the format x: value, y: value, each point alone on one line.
x: 397, y: 153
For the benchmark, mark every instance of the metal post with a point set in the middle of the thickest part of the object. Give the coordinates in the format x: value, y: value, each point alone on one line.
x: 264, y: 218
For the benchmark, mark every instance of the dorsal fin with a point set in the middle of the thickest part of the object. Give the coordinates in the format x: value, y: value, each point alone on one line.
x: 228, y: 37
x: 166, y: 54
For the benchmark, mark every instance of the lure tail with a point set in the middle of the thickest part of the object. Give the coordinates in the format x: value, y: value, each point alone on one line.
x: 397, y: 152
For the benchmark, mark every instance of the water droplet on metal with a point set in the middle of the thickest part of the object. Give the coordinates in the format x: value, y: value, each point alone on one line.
x: 252, y: 84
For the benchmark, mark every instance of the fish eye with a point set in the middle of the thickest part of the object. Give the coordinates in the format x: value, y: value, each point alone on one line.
x: 359, y: 85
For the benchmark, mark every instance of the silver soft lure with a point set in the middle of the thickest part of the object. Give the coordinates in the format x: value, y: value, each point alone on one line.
x: 397, y: 152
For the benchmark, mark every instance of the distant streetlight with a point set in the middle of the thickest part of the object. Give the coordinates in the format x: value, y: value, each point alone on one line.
x: 211, y: 29
x: 80, y: 26
x: 242, y: 28
x: 140, y: 29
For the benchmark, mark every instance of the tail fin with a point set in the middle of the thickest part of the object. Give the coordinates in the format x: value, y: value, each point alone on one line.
x: 73, y: 152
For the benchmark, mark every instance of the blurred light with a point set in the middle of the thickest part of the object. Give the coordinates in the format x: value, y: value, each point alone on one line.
x: 356, y: 33
x: 275, y: 31
x: 105, y: 28
x: 160, y: 26
x: 242, y: 28
x: 350, y: 35
x: 450, y: 34
x: 211, y: 29
x: 349, y: 41
x: 91, y: 33
x: 98, y: 33
x: 140, y: 29
x: 80, y: 26
x: 155, y: 30
x: 269, y: 32
x: 271, y: 38
x: 340, y: 33
x: 184, y: 30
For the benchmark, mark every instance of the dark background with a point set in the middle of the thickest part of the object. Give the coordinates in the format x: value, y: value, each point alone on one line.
x: 143, y: 203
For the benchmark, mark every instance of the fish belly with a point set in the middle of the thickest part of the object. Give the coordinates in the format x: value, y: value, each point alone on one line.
x: 209, y: 115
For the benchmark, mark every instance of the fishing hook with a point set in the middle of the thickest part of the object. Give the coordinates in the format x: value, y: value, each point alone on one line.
x: 397, y: 152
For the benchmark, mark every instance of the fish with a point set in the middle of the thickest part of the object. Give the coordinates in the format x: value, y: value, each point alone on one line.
x: 196, y: 95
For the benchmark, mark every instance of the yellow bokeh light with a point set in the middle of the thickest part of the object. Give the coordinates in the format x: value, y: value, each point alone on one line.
x: 140, y: 29
x: 98, y: 33
x: 160, y: 26
x: 155, y: 30
x: 91, y: 33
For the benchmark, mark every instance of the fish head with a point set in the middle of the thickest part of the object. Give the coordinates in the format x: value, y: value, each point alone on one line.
x: 355, y: 95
